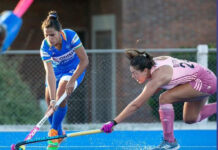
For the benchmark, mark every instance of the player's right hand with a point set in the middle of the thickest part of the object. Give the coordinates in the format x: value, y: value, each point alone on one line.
x: 108, y: 127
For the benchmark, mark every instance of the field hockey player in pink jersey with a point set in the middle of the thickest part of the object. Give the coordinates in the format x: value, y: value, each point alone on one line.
x: 183, y: 81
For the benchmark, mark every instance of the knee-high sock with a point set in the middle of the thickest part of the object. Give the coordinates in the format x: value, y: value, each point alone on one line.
x: 50, y: 119
x: 207, y: 111
x: 166, y: 112
x: 57, y: 119
x: 60, y: 132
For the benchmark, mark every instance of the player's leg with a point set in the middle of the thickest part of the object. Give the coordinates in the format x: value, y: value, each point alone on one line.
x: 166, y: 113
x: 178, y: 94
x: 57, y: 117
x: 207, y: 111
x: 195, y: 94
x: 47, y: 99
x: 196, y: 111
x: 62, y: 109
x: 52, y: 145
x: 181, y: 93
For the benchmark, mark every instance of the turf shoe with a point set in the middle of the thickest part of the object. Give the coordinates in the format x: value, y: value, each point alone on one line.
x: 165, y: 145
x: 53, y: 144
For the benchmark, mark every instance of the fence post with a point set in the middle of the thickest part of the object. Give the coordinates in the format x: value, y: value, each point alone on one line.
x: 202, y: 58
x: 202, y: 55
x: 94, y: 112
x: 113, y: 86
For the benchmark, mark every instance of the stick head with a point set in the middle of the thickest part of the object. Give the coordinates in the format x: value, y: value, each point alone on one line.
x: 13, y: 147
x: 11, y: 25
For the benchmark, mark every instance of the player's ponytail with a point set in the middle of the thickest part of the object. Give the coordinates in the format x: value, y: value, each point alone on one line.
x: 52, y: 15
x: 139, y: 60
x: 52, y: 21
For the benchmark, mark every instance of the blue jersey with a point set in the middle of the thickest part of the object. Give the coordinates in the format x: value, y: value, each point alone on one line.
x: 63, y: 60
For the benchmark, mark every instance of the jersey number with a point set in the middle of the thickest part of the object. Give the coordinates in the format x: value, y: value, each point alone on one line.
x: 186, y: 65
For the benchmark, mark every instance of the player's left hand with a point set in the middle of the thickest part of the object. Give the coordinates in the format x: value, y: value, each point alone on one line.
x: 70, y: 87
x: 51, y: 106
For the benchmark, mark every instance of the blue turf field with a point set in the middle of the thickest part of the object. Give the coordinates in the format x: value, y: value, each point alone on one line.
x: 119, y: 140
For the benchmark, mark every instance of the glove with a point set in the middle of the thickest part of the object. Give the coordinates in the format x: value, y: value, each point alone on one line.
x: 108, y: 127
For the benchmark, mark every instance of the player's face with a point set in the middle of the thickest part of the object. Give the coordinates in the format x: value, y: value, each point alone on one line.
x: 52, y: 35
x: 140, y: 76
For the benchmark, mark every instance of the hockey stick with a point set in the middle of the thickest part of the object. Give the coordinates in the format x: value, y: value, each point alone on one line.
x: 11, y: 22
x: 42, y: 121
x: 57, y: 137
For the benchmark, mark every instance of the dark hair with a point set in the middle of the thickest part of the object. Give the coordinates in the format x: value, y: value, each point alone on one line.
x: 139, y: 60
x: 52, y: 21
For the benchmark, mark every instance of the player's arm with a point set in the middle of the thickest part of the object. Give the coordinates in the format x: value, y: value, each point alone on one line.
x: 84, y: 61
x: 160, y: 77
x: 80, y: 51
x: 50, y: 79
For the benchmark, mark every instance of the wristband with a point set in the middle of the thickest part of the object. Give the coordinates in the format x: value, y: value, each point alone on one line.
x: 52, y: 102
x: 114, y: 122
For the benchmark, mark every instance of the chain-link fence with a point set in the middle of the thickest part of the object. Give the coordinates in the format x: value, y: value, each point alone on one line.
x: 105, y: 91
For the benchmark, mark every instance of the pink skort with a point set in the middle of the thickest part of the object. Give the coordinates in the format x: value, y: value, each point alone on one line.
x: 206, y: 81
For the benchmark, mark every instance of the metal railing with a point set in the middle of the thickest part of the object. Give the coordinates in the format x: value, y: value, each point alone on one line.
x: 105, y: 91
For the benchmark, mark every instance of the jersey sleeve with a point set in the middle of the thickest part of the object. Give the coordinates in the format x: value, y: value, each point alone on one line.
x: 44, y: 51
x: 75, y: 40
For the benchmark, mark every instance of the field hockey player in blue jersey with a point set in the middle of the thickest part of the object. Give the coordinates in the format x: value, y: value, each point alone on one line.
x: 65, y: 61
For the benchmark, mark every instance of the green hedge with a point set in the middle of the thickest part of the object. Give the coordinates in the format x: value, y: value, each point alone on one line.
x: 18, y: 105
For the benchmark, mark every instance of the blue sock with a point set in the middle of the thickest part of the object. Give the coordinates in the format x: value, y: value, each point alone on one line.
x: 60, y: 132
x: 58, y: 117
x: 50, y: 119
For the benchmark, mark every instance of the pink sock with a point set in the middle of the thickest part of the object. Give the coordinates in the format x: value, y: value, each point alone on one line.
x: 166, y: 112
x: 207, y: 111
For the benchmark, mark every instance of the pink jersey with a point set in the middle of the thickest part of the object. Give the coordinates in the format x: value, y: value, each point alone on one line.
x: 183, y: 71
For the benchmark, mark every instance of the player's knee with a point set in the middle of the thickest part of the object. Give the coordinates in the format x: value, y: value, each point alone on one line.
x: 164, y: 98
x: 63, y: 104
x: 190, y: 119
